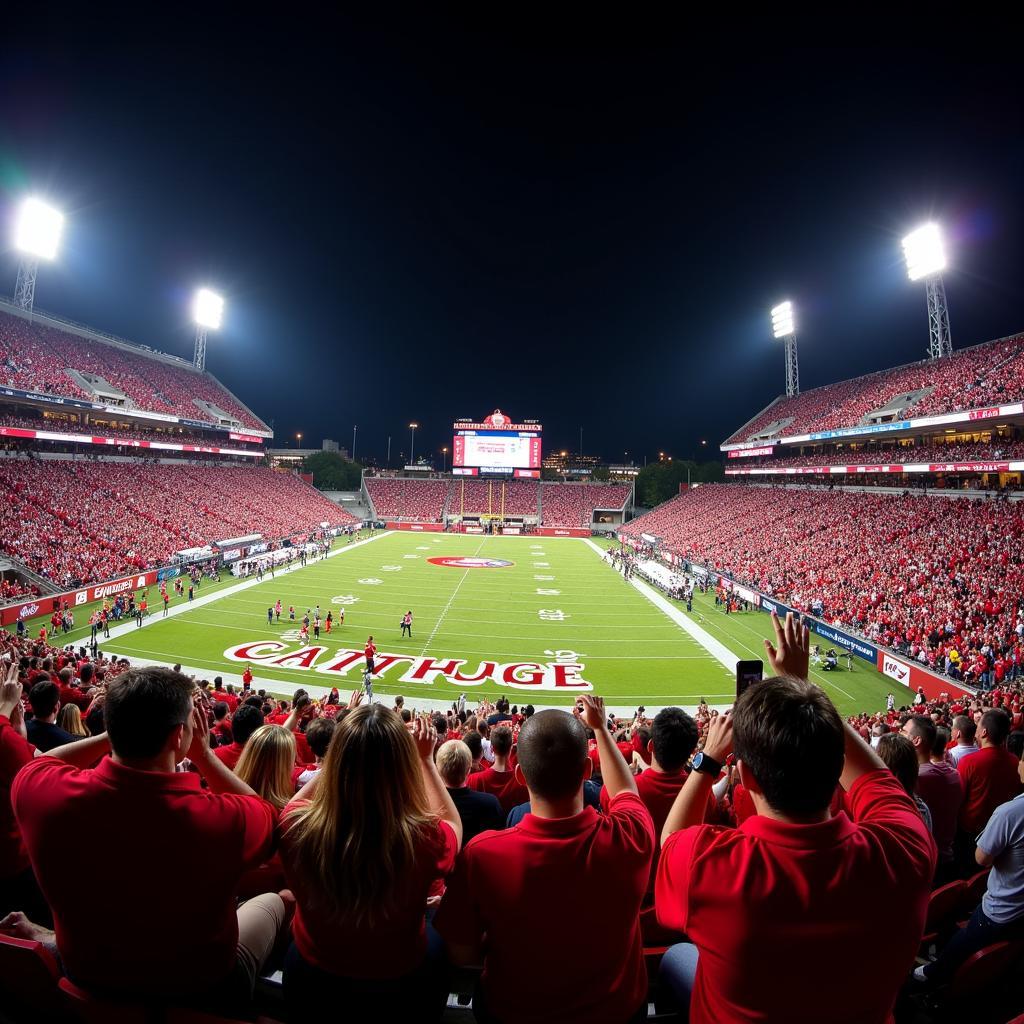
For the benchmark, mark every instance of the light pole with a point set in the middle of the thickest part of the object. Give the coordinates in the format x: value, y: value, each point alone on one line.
x: 444, y: 460
x: 925, y: 254
x: 37, y: 234
x: 412, y: 442
x: 354, y: 429
x: 389, y: 451
x: 298, y: 441
x: 784, y: 326
x: 207, y: 311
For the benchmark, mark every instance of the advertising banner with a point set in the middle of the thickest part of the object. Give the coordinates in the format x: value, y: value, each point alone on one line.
x: 50, y: 603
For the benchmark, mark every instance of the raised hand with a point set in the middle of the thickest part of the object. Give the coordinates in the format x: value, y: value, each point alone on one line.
x: 592, y: 713
x: 718, y: 744
x: 10, y: 690
x: 792, y: 656
x: 424, y: 736
x: 199, y: 748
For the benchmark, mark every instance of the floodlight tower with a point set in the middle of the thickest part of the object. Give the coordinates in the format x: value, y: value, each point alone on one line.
x: 925, y: 254
x: 37, y: 232
x: 207, y: 310
x: 784, y: 326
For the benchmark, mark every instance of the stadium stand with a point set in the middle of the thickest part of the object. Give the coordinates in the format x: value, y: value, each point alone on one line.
x: 994, y: 451
x: 408, y: 499
x: 986, y: 375
x: 75, y: 522
x: 39, y: 358
x: 923, y: 575
x: 492, y: 497
x: 573, y: 505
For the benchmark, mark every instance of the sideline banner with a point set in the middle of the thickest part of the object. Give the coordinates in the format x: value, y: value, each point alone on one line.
x: 49, y: 603
x: 906, y: 673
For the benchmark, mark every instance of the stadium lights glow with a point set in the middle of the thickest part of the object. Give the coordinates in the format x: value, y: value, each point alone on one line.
x: 38, y: 229
x: 783, y: 320
x: 924, y: 252
x: 207, y: 308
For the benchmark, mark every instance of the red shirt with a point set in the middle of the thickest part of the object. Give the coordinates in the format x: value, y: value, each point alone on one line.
x: 230, y: 754
x: 388, y: 948
x: 15, y: 751
x: 152, y: 825
x: 503, y: 785
x: 990, y: 778
x: 563, y: 892
x: 776, y: 909
x: 370, y: 651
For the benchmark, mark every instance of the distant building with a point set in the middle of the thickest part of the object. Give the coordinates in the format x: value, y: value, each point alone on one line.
x: 292, y: 458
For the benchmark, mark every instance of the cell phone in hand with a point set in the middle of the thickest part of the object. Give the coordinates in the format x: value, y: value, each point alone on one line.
x: 747, y: 673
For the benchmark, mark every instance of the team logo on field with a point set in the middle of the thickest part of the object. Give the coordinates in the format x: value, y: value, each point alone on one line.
x: 472, y: 563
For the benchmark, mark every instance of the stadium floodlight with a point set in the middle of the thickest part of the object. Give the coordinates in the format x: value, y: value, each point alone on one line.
x: 784, y: 327
x: 412, y: 441
x: 37, y: 231
x: 925, y: 254
x: 207, y: 311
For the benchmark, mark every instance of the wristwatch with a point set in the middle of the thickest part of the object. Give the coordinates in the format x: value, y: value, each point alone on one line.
x: 707, y: 765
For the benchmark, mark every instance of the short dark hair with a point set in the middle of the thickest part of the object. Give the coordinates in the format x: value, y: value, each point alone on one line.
x: 941, y: 741
x: 552, y: 753
x: 143, y: 707
x: 1015, y: 743
x: 501, y: 741
x: 252, y: 702
x: 674, y: 734
x: 44, y: 698
x: 967, y: 727
x: 86, y: 673
x: 406, y: 715
x: 319, y: 734
x: 924, y: 728
x: 900, y: 758
x: 995, y: 722
x: 790, y: 737
x: 220, y: 710
x: 475, y: 742
x: 244, y: 722
x: 440, y: 724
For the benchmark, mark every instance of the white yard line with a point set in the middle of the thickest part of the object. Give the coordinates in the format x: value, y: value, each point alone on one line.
x: 444, y: 611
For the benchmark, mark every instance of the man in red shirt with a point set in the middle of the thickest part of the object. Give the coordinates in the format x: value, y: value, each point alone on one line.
x: 772, y: 907
x: 500, y: 779
x: 370, y: 652
x: 989, y: 777
x: 134, y: 811
x: 244, y: 722
x: 523, y: 897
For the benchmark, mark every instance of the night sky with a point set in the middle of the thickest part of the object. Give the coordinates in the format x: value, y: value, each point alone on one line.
x: 430, y: 218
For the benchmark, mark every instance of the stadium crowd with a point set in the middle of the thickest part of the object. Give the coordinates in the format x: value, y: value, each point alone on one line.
x: 717, y: 863
x: 76, y: 522
x: 37, y: 358
x: 939, y: 580
x: 985, y: 375
x: 573, y: 505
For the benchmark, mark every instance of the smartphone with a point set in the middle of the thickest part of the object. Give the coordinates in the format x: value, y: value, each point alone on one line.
x: 748, y: 672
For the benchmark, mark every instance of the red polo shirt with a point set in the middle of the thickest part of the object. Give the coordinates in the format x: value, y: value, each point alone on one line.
x: 990, y: 778
x: 158, y: 918
x: 230, y: 754
x: 541, y: 893
x: 777, y: 909
x: 385, y: 949
x: 15, y: 751
x: 503, y: 785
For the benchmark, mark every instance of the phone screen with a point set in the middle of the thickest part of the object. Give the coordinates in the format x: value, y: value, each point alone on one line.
x: 748, y: 672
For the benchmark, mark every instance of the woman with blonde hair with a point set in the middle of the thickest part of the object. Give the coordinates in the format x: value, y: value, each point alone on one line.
x: 267, y: 764
x: 362, y: 847
x: 70, y: 720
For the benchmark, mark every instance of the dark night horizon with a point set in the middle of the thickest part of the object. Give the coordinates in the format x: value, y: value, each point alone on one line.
x: 431, y: 222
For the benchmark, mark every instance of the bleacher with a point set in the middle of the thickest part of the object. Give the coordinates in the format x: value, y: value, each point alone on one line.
x: 407, y: 499
x: 572, y: 506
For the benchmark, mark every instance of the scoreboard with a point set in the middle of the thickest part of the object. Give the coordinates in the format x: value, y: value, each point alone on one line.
x: 497, y: 446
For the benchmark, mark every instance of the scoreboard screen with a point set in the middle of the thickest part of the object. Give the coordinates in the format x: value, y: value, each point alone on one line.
x: 516, y: 453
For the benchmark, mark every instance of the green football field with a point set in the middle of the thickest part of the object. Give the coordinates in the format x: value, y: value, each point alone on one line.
x: 556, y: 620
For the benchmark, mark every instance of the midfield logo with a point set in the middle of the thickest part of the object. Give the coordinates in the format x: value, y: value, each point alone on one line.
x: 471, y: 563
x: 557, y: 674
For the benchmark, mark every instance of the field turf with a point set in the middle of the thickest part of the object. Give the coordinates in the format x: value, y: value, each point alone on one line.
x: 558, y: 605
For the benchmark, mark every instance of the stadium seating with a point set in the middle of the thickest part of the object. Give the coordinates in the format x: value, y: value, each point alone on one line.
x: 986, y: 375
x: 493, y: 497
x: 38, y: 358
x: 413, y: 500
x: 84, y: 521
x: 995, y: 451
x: 924, y: 575
x: 573, y: 505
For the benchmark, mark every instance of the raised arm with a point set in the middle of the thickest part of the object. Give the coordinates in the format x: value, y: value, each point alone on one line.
x: 425, y: 736
x: 692, y: 800
x: 614, y: 770
x: 219, y: 777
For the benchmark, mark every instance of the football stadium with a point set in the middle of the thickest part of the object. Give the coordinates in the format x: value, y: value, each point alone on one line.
x: 292, y: 732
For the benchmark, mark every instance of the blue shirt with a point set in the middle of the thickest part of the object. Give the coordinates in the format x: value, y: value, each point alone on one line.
x: 1003, y: 840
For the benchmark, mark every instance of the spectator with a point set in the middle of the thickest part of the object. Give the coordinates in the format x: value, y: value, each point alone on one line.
x: 134, y: 811
x: 266, y: 764
x: 43, y: 731
x: 963, y: 734
x: 479, y: 812
x: 500, y: 780
x: 475, y: 742
x: 897, y: 752
x: 774, y: 905
x: 989, y: 777
x: 1000, y: 915
x: 319, y: 734
x: 244, y: 722
x: 536, y: 889
x: 362, y: 845
x: 70, y: 720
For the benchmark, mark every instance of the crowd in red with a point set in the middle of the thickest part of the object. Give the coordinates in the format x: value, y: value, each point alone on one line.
x: 986, y: 375
x: 573, y: 505
x: 928, y: 576
x: 401, y: 498
x: 37, y: 358
x: 11, y: 590
x: 485, y: 497
x: 74, y: 522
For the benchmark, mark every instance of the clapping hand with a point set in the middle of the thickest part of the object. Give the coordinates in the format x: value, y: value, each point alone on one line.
x: 424, y: 736
x: 592, y: 712
x: 10, y: 691
x: 792, y: 656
